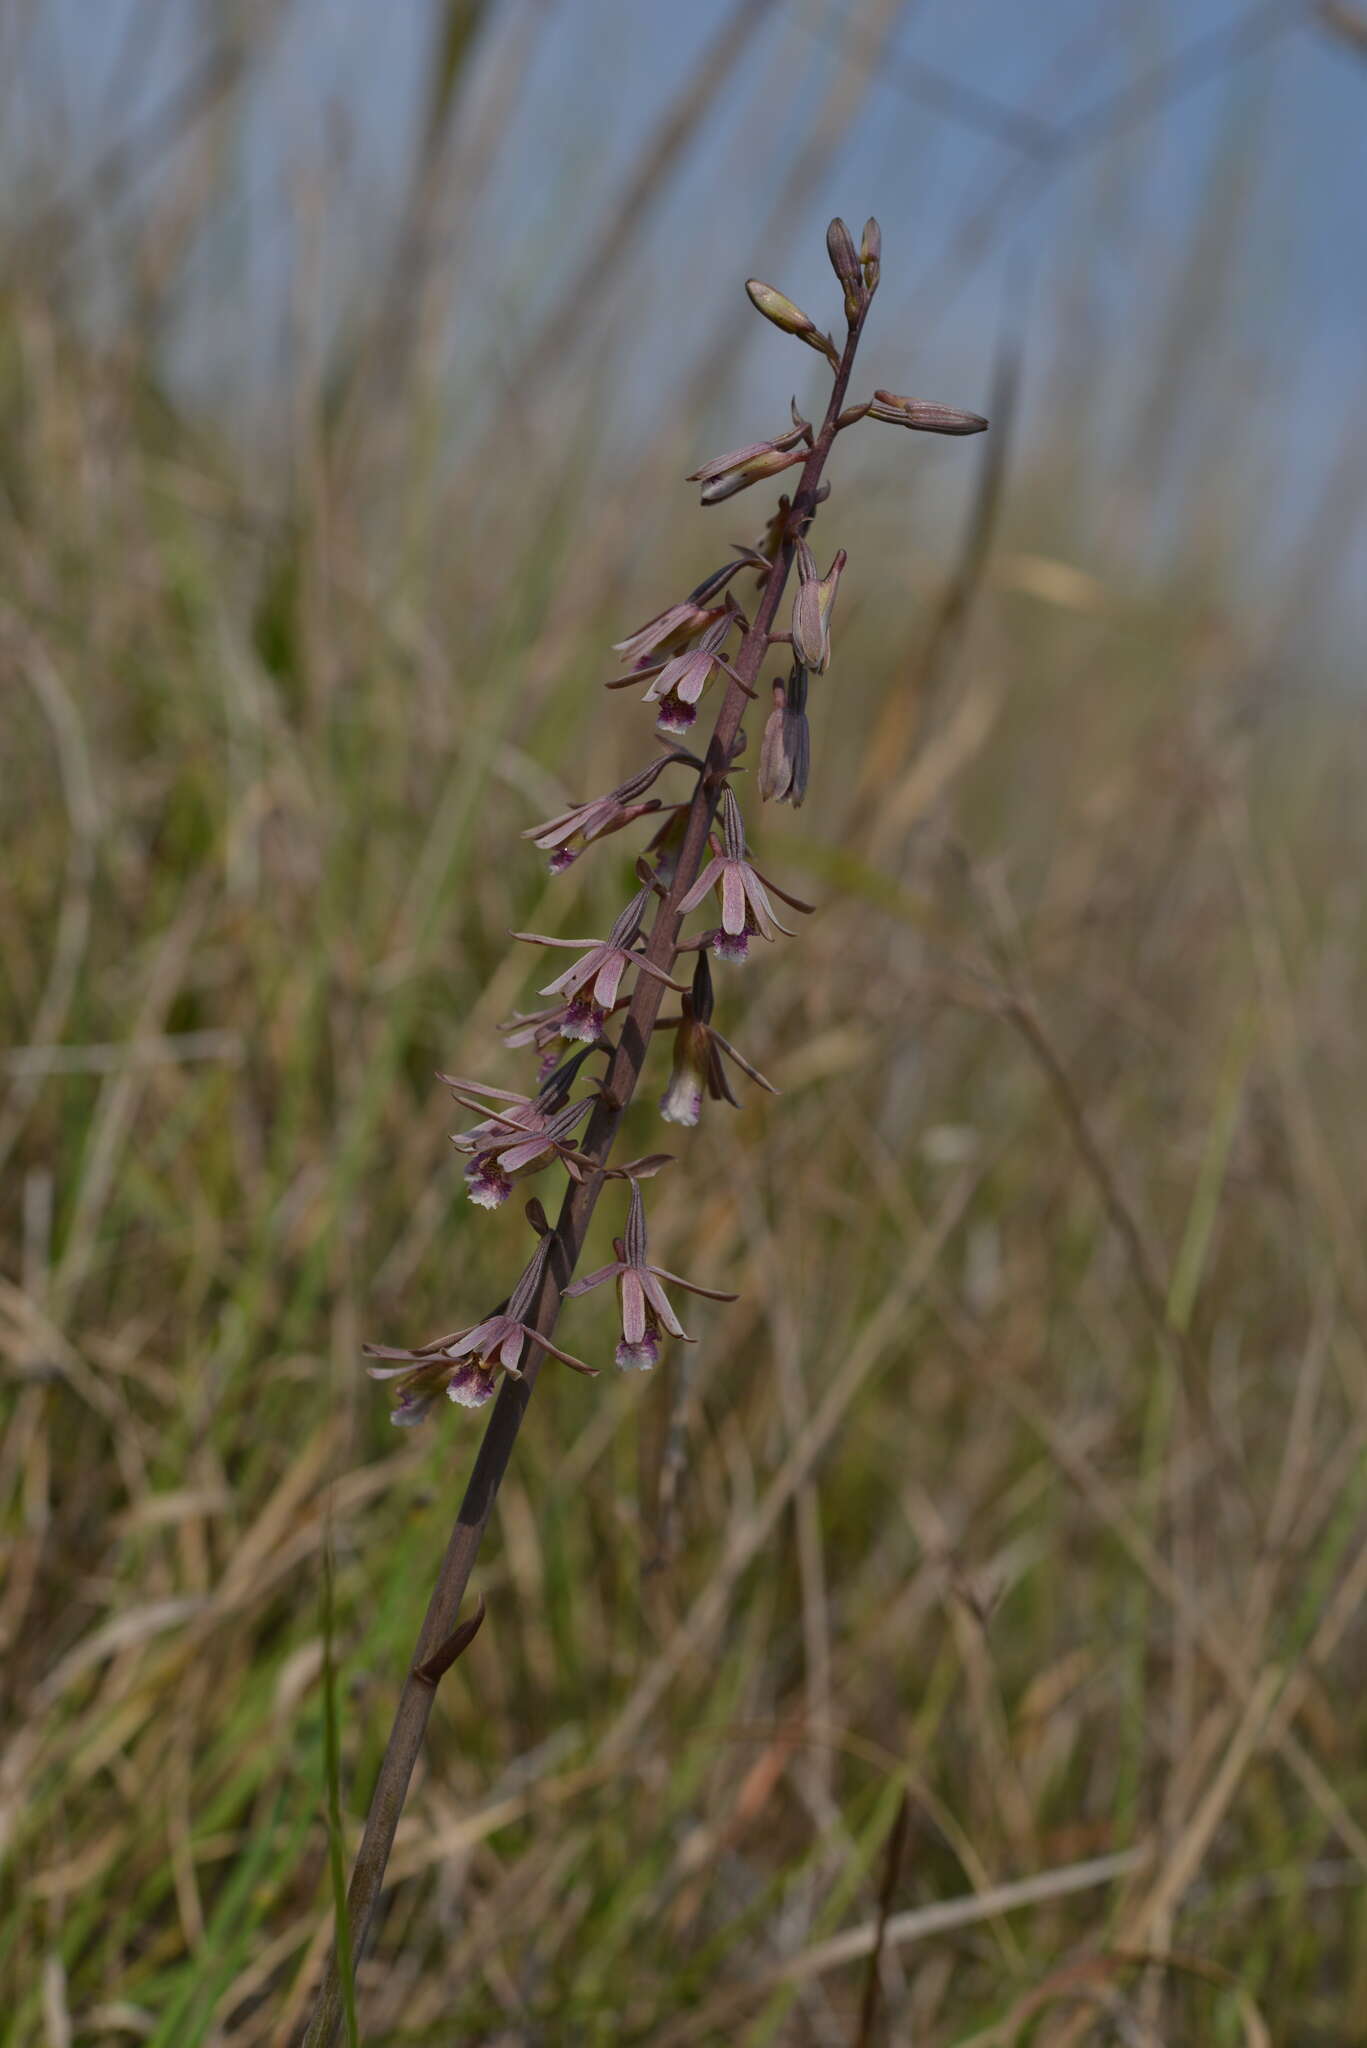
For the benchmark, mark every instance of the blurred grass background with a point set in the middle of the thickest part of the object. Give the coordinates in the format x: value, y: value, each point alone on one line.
x: 997, y: 1564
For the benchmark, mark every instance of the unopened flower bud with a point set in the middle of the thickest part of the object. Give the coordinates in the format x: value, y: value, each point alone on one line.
x: 726, y: 474
x: 840, y: 248
x: 845, y: 263
x: 812, y: 608
x: 923, y: 416
x: 871, y: 251
x: 786, y: 750
x: 783, y: 313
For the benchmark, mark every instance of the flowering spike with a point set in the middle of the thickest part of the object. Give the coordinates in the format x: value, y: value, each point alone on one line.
x: 678, y: 652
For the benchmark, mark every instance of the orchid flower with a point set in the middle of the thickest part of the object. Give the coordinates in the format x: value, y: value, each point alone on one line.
x: 646, y: 1307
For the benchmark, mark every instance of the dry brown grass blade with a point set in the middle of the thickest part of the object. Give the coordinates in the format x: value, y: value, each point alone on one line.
x: 921, y: 1923
x: 71, y: 930
x: 868, y: 2004
x: 1078, y: 1979
x: 863, y: 1356
x: 1224, y: 1657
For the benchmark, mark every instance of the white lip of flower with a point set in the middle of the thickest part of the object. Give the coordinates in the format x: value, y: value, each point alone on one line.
x: 646, y: 1308
x: 698, y: 1069
x: 641, y: 1356
x: 582, y: 1023
x: 681, y: 1102
x: 486, y: 1184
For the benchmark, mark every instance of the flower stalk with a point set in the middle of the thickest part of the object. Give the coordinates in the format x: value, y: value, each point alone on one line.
x: 509, y: 1347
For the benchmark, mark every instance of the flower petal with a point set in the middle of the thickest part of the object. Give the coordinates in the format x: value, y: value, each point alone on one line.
x: 565, y: 1357
x: 594, y: 1279
x: 692, y: 1287
x: 473, y: 1343
x: 518, y: 1156
x: 700, y: 888
x: 633, y: 1305
x: 609, y: 978
x: 510, y: 1350
x: 661, y: 1303
x: 733, y: 891
x: 572, y: 980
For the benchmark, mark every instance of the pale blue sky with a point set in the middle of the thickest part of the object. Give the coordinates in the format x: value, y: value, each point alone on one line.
x: 1270, y: 382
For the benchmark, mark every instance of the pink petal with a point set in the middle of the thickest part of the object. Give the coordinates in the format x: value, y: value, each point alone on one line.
x: 511, y: 1348
x: 566, y: 1358
x: 633, y: 1305
x: 475, y: 1341
x: 691, y: 687
x: 732, y: 898
x: 761, y: 905
x: 691, y: 1286
x: 660, y: 1302
x: 610, y: 978
x: 594, y: 1279
x: 454, y: 1081
x: 572, y: 980
x: 519, y: 1156
x: 700, y: 887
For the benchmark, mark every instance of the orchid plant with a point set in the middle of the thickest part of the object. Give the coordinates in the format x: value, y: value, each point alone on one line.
x: 609, y: 1000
